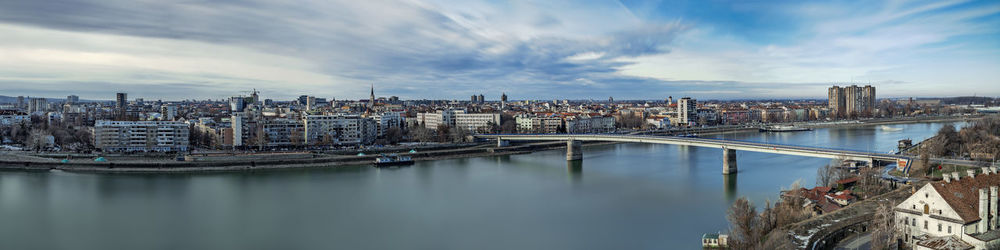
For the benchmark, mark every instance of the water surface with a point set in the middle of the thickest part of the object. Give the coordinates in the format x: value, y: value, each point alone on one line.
x: 622, y: 196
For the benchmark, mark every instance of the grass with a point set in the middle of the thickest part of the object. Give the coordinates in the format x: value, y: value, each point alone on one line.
x: 948, y: 168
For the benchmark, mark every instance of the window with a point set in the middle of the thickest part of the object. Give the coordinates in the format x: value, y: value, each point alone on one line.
x: 914, y: 222
x: 949, y: 229
x: 925, y: 224
x: 926, y: 195
x: 939, y: 227
x: 927, y: 209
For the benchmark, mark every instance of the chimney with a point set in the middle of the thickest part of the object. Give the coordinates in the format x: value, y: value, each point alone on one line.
x: 983, y: 213
x: 954, y: 175
x: 947, y: 178
x: 971, y: 172
x: 993, y: 208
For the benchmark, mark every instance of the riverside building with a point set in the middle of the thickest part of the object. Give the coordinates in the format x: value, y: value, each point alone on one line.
x: 141, y: 136
x: 961, y: 212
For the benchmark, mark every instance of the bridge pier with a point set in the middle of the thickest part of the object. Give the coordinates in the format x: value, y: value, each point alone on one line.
x: 574, y: 152
x: 502, y: 143
x: 728, y: 161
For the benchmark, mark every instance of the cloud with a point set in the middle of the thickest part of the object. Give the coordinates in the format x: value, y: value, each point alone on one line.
x: 446, y: 49
x: 333, y: 48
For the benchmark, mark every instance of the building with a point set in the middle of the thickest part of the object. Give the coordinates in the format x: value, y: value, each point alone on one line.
x: 238, y: 126
x: 687, y: 111
x: 848, y: 100
x: 539, y: 124
x: 340, y: 129
x: 714, y: 240
x: 141, y: 136
x: 589, y: 124
x: 386, y: 120
x: 121, y: 101
x: 169, y: 112
x: 835, y: 99
x: 283, y: 132
x: 12, y: 116
x: 20, y: 102
x: 37, y: 105
x: 959, y: 211
x: 458, y: 118
x: 476, y: 122
x: 72, y: 99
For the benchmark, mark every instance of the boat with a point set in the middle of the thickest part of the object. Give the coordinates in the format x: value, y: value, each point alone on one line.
x: 887, y: 128
x: 780, y: 128
x: 393, y: 160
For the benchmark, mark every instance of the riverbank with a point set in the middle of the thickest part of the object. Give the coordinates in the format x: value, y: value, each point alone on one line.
x: 15, y: 162
x: 888, y: 121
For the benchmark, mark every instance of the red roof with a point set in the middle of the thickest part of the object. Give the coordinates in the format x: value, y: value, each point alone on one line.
x: 848, y: 180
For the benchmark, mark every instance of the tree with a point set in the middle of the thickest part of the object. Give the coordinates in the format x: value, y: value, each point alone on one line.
x: 742, y: 216
x: 38, y: 139
x: 869, y: 182
x: 393, y: 135
x: 830, y: 173
x: 883, y: 227
x: 443, y: 133
x: 508, y: 124
x: 458, y: 134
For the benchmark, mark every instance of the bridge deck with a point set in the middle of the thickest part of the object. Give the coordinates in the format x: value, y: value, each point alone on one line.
x: 712, y: 143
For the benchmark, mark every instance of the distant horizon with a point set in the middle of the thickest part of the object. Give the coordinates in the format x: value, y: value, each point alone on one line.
x: 262, y: 97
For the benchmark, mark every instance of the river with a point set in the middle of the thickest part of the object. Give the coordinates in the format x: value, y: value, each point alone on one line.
x: 622, y: 196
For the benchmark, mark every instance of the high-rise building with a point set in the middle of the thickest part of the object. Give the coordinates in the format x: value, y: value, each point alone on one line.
x: 687, y: 111
x: 72, y: 99
x: 310, y: 102
x: 852, y: 100
x: 303, y: 99
x: 237, y: 104
x: 473, y: 99
x: 503, y: 97
x: 20, y: 102
x: 835, y: 97
x: 121, y: 100
x: 481, y: 99
x: 38, y: 105
x: 611, y: 99
x: 169, y: 112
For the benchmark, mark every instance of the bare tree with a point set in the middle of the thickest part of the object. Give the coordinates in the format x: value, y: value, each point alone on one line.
x: 742, y: 217
x: 883, y: 226
x: 830, y: 173
x: 38, y: 139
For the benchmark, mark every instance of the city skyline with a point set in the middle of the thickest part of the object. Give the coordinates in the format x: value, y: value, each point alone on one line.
x: 447, y: 50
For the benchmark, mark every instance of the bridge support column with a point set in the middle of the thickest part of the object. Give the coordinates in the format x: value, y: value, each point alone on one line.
x: 573, y: 151
x: 728, y: 161
x: 502, y: 143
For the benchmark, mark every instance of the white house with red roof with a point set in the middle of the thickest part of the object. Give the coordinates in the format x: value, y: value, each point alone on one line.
x: 957, y: 213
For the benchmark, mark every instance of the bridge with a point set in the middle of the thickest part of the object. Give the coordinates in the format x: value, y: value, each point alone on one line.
x: 729, y: 147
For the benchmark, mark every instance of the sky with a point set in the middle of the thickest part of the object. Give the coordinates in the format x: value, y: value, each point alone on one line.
x: 451, y: 49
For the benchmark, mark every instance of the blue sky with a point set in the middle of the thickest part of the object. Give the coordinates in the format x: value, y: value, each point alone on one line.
x: 446, y: 49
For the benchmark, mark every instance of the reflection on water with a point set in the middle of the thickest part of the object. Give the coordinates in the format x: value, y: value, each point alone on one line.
x: 575, y: 169
x: 730, y: 189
